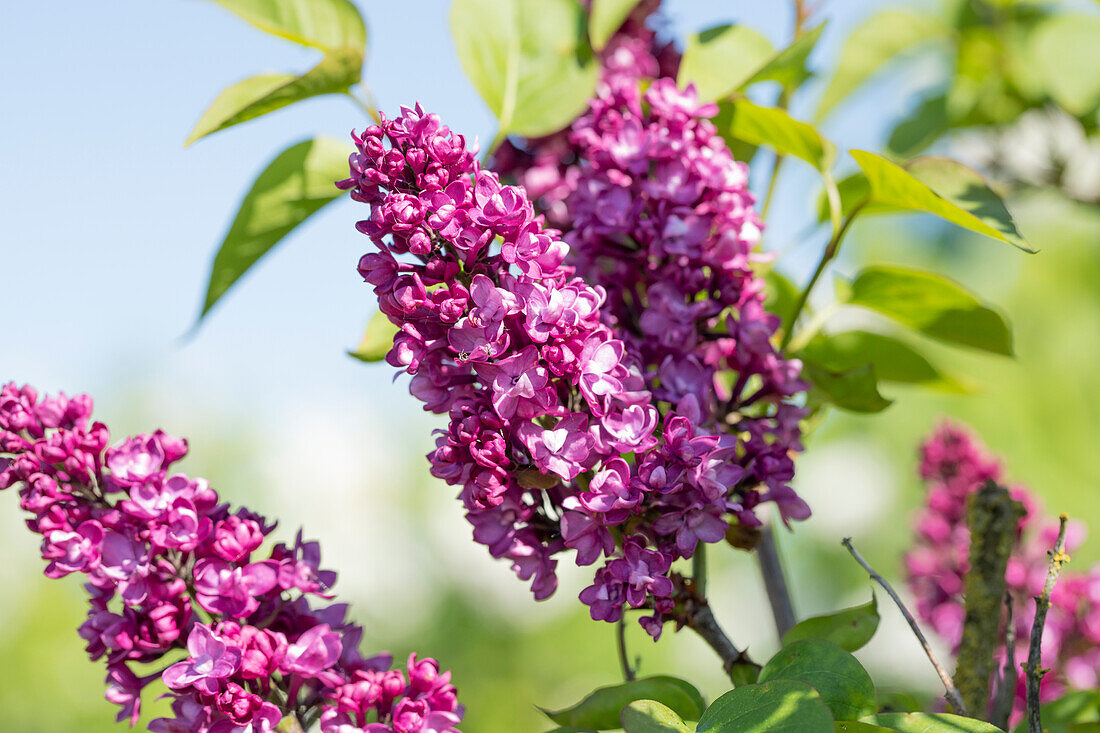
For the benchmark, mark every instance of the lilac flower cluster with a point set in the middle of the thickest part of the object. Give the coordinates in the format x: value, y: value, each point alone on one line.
x: 953, y: 466
x: 554, y: 437
x: 169, y: 567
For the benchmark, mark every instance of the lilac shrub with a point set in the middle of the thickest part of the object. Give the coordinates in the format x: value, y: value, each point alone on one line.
x: 558, y: 436
x: 953, y: 466
x: 169, y: 567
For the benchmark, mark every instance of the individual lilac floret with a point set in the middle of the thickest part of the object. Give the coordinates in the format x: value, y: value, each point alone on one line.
x: 169, y: 568
x: 953, y: 466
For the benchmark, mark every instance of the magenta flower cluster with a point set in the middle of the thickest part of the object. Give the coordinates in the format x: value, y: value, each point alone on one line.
x: 169, y: 567
x: 953, y: 466
x: 554, y: 435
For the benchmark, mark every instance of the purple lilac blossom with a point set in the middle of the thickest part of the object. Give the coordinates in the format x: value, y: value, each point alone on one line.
x: 168, y: 567
x: 555, y: 434
x: 953, y: 466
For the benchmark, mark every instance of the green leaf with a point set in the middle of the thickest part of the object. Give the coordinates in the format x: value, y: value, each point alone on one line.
x: 893, y: 360
x: 871, y: 45
x: 855, y: 390
x: 251, y: 98
x: 324, y: 24
x: 600, y: 710
x: 742, y: 120
x: 650, y: 716
x: 1078, y: 708
x: 689, y: 689
x: 781, y: 296
x: 529, y: 60
x: 1064, y: 53
x: 721, y: 59
x: 849, y: 629
x: 779, y: 706
x: 605, y: 18
x: 851, y: 726
x: 789, y: 66
x: 926, y: 124
x: 854, y: 190
x: 943, y: 187
x: 929, y: 723
x: 932, y: 305
x: 837, y: 676
x: 298, y: 182
x: 377, y: 339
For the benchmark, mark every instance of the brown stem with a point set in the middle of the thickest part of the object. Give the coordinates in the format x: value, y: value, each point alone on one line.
x: 1058, y: 558
x: 775, y: 581
x: 951, y: 693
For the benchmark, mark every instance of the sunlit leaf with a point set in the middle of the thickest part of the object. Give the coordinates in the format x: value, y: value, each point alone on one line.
x: 926, y: 124
x: 943, y: 187
x: 721, y: 59
x: 606, y: 17
x: 789, y: 66
x: 929, y: 723
x: 298, y: 182
x: 779, y: 706
x: 849, y: 629
x: 336, y: 73
x: 601, y: 709
x: 529, y: 60
x: 893, y: 360
x: 741, y: 119
x: 650, y: 716
x: 871, y: 45
x: 838, y: 677
x: 933, y: 305
x: 850, y: 726
x: 324, y: 24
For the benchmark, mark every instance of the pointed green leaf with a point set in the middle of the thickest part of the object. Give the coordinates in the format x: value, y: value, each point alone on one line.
x: 324, y: 24
x: 838, y: 677
x: 257, y: 96
x: 740, y: 119
x: 779, y: 706
x: 849, y: 629
x: 871, y: 45
x: 605, y: 18
x: 854, y: 190
x: 850, y: 726
x: 298, y: 182
x: 893, y: 360
x: 529, y: 60
x: 929, y: 723
x: 933, y: 305
x: 789, y: 66
x: 1065, y: 55
x: 377, y: 339
x: 721, y: 59
x: 650, y: 716
x: 855, y: 390
x: 601, y: 709
x: 943, y: 187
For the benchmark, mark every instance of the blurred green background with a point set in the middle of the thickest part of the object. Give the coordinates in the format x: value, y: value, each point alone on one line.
x: 340, y: 453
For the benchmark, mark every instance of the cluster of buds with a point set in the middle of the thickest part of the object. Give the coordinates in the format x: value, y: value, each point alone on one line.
x: 169, y: 567
x: 955, y: 465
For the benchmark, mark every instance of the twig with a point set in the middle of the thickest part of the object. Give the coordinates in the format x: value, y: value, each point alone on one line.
x: 1035, y: 673
x: 951, y: 693
x: 775, y: 582
x: 624, y: 661
x: 1006, y: 692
